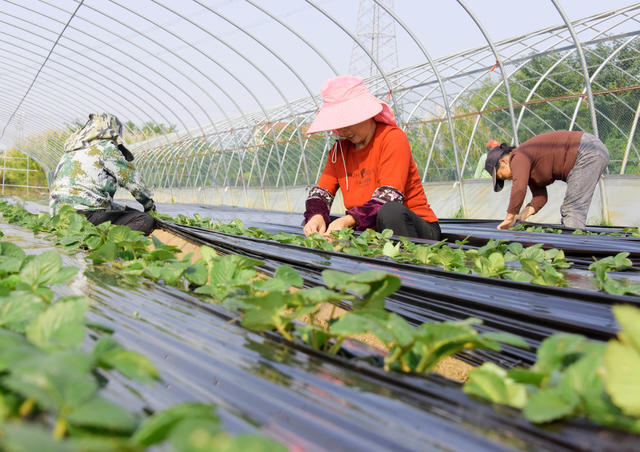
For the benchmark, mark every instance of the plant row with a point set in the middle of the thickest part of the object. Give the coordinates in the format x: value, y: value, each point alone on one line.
x: 625, y: 232
x: 496, y: 259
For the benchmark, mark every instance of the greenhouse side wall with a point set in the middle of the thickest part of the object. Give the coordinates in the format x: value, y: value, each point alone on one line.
x: 621, y: 206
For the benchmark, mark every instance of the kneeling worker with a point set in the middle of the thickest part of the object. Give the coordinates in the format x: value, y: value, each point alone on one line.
x: 95, y: 162
x: 578, y: 158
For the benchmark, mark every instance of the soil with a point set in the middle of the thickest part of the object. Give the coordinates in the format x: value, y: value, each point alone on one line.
x: 171, y: 239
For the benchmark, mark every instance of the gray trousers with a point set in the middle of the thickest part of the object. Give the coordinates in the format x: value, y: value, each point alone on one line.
x: 591, y: 160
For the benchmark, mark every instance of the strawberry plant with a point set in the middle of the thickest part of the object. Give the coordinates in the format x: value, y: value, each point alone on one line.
x: 573, y: 377
x: 602, y: 280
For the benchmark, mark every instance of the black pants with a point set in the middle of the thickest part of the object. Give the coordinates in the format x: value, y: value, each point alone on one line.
x: 136, y: 220
x: 402, y: 221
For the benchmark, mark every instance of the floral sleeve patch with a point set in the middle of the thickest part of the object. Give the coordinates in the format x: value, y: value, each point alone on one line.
x: 387, y: 193
x: 321, y: 193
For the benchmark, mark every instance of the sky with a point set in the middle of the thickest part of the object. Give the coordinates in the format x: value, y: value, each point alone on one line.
x: 188, y: 63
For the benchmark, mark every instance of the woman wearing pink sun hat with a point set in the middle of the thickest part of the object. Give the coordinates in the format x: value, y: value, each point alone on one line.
x: 375, y: 170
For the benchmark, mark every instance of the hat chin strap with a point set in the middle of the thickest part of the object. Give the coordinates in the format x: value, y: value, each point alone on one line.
x: 334, y: 159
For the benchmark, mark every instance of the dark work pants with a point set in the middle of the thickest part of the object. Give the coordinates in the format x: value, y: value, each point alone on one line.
x: 404, y: 222
x: 136, y: 220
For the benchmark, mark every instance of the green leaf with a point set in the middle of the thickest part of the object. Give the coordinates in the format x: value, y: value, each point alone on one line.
x: 41, y: 269
x: 18, y: 311
x: 157, y: 428
x: 106, y: 253
x: 103, y: 414
x: 622, y: 378
x: 208, y: 253
x: 320, y: 294
x: 491, y: 382
x: 506, y: 338
x: 390, y: 328
x: 129, y: 363
x: 550, y: 404
x: 9, y: 264
x: 530, y: 266
x: 9, y: 284
x: 172, y: 271
x: 60, y: 326
x: 107, y: 443
x: 199, y: 435
x: 11, y: 250
x: 162, y: 254
x: 121, y: 233
x: 15, y: 348
x: 378, y: 291
x: 53, y: 389
x: 29, y: 438
x: 526, y: 376
x: 559, y: 351
x: 63, y: 275
x: 288, y: 275
x: 618, y: 288
x: 629, y: 318
x: 196, y: 274
x: 266, y: 312
x: 360, y: 323
x: 5, y: 408
x: 391, y: 250
x: 343, y: 281
x: 583, y: 376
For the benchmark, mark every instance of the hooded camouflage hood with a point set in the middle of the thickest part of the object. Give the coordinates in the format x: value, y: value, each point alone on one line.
x: 103, y: 126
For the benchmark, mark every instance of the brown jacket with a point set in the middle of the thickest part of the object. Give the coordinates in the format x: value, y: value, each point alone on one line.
x: 539, y: 162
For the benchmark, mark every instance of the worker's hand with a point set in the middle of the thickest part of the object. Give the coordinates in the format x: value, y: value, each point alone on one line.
x: 525, y: 213
x: 315, y: 224
x: 509, y: 221
x: 343, y: 222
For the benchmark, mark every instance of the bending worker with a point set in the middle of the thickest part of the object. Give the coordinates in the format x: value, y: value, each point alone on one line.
x: 95, y: 162
x: 578, y: 158
x: 372, y: 165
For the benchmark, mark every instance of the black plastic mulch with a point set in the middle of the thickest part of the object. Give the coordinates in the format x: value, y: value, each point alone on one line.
x: 428, y: 294
x: 308, y: 400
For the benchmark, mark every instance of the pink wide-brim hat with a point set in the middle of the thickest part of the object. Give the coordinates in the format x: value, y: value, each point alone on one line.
x: 346, y: 101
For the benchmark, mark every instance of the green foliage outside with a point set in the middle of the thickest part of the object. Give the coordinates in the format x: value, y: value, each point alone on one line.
x: 19, y: 176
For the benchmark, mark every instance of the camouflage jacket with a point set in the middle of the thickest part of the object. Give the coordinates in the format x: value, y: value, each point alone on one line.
x: 87, y: 178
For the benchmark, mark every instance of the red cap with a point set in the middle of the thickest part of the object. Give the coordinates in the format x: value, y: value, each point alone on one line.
x: 492, y: 144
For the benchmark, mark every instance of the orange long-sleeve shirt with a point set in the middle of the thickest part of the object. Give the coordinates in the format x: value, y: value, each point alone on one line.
x: 385, y: 161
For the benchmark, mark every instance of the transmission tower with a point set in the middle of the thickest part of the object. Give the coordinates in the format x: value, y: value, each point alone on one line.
x: 377, y: 33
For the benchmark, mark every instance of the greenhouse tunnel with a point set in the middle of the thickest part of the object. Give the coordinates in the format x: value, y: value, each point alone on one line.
x: 217, y: 96
x: 221, y: 329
